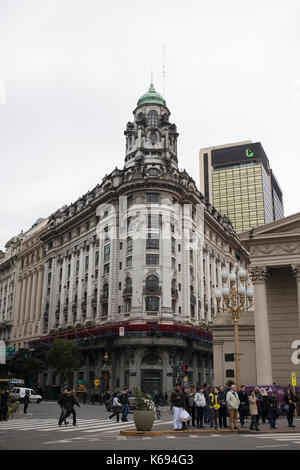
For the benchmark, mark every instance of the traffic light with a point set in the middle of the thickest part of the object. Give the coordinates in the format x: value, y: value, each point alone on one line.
x: 184, y: 367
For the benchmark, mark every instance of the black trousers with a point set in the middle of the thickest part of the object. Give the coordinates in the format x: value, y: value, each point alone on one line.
x: 222, y: 417
x: 73, y: 412
x: 25, y: 407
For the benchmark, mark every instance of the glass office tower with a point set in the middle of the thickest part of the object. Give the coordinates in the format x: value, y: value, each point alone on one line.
x: 238, y: 181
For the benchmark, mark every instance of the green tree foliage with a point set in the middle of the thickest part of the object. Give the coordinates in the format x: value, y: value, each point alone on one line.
x: 64, y: 356
x: 26, y: 366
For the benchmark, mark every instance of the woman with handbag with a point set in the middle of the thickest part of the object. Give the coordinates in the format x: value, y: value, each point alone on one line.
x: 289, y: 401
x: 117, y: 407
x: 200, y: 403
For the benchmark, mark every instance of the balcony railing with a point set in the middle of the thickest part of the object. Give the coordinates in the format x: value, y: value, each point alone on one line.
x: 151, y: 290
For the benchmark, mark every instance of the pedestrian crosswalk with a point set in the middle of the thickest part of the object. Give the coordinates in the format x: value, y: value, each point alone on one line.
x: 283, y: 439
x: 83, y: 425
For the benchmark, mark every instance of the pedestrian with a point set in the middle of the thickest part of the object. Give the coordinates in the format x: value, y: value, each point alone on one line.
x: 192, y: 408
x: 223, y: 407
x: 186, y: 406
x: 200, y: 403
x: 206, y: 391
x: 290, y: 401
x: 252, y: 399
x: 4, y: 405
x: 243, y: 397
x: 177, y: 402
x: 273, y: 404
x: 26, y: 401
x: 125, y: 404
x: 233, y: 404
x: 214, y: 407
x: 62, y: 401
x: 259, y: 403
x: 264, y: 405
x: 117, y: 407
x: 71, y: 402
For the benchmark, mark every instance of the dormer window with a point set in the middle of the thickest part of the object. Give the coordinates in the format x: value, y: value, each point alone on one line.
x: 153, y: 172
x: 153, y: 119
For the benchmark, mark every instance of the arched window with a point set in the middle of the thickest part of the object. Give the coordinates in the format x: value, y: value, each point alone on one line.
x: 152, y: 283
x: 152, y: 304
x: 153, y: 119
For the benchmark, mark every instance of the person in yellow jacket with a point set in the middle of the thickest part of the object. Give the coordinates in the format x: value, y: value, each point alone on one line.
x: 214, y: 407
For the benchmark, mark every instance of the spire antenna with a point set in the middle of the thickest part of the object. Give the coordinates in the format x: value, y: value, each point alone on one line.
x: 164, y: 70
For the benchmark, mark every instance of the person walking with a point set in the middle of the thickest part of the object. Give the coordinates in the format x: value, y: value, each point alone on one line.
x: 206, y: 391
x: 214, y: 407
x: 62, y: 401
x: 273, y: 404
x: 289, y: 399
x: 243, y: 397
x: 264, y: 405
x: 26, y: 401
x: 117, y: 407
x: 125, y: 404
x: 178, y: 404
x: 200, y: 402
x: 233, y: 404
x: 71, y: 402
x: 252, y: 399
x: 4, y: 405
x: 192, y: 408
x: 223, y: 407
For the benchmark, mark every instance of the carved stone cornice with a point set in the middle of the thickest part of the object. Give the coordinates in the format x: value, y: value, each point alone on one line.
x: 258, y: 273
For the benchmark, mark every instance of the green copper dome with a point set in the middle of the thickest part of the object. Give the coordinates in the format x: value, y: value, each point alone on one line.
x: 151, y: 97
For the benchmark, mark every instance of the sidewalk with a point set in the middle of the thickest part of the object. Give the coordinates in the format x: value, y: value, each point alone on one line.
x: 167, y: 429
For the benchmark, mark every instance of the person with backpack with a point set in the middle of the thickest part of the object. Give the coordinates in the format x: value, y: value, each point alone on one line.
x: 214, y: 407
x: 200, y: 402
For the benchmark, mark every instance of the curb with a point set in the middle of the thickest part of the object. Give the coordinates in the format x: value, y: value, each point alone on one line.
x: 203, y: 431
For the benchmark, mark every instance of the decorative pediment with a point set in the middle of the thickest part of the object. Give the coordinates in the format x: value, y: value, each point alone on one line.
x: 288, y: 226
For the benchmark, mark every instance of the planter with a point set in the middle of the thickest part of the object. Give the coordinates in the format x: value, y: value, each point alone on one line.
x: 143, y: 419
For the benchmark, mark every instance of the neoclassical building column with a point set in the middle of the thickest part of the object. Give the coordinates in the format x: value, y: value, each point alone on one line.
x: 38, y: 305
x: 296, y: 271
x: 33, y: 296
x: 262, y: 333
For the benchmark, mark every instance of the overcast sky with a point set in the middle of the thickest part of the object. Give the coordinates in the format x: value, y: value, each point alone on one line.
x: 71, y: 72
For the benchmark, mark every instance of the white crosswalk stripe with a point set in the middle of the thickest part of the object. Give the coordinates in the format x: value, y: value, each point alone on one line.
x: 293, y: 438
x: 83, y: 425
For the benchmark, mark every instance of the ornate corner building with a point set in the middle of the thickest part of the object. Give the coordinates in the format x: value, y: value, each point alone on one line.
x: 129, y: 269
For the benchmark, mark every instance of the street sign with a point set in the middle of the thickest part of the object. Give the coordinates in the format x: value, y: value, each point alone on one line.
x: 96, y: 382
x: 121, y: 331
x: 294, y: 382
x: 2, y: 352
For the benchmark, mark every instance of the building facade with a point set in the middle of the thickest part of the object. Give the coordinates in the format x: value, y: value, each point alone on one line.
x: 270, y: 334
x: 237, y: 180
x: 130, y: 268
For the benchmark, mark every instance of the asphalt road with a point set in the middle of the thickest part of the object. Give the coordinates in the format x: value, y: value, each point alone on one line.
x: 38, y: 430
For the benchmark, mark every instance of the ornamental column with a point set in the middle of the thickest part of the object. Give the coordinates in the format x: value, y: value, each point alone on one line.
x: 28, y: 297
x: 33, y: 296
x: 259, y: 275
x: 38, y: 305
x: 296, y: 271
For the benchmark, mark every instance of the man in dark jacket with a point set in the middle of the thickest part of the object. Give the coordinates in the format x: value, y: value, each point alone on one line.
x: 206, y: 411
x: 71, y: 402
x: 63, y: 402
x: 125, y: 404
x: 223, y: 407
x: 177, y: 400
x: 243, y: 397
x: 26, y: 401
x: 273, y: 405
x: 4, y: 405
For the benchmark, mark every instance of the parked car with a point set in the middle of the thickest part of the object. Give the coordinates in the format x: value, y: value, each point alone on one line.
x: 19, y: 393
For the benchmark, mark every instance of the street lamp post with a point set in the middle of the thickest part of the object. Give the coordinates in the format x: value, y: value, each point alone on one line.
x: 234, y: 299
x: 105, y: 371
